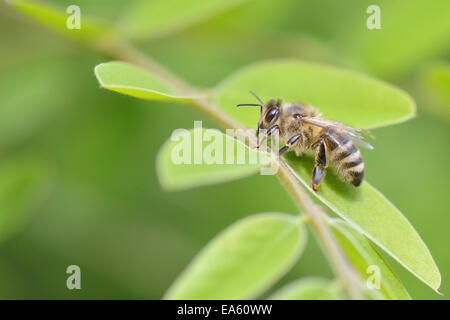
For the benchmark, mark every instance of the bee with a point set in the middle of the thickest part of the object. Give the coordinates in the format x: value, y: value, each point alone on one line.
x: 301, y: 127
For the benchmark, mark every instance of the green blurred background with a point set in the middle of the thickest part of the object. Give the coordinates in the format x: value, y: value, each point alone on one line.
x: 77, y: 163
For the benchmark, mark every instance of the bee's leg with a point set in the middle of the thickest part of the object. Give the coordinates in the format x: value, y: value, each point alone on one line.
x: 320, y: 166
x: 289, y: 144
x: 268, y: 134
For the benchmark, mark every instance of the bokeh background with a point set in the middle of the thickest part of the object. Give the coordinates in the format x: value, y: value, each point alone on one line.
x: 77, y: 163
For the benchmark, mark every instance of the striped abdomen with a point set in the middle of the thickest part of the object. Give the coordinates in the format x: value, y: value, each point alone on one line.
x: 346, y: 159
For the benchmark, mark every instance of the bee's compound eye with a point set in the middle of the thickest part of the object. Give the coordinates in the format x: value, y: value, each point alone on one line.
x: 272, y: 114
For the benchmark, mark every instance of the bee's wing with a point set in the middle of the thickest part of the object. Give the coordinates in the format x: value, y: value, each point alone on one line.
x: 349, y: 132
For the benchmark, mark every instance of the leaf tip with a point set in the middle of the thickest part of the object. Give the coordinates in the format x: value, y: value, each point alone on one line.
x: 164, y: 182
x: 438, y: 292
x: 97, y: 75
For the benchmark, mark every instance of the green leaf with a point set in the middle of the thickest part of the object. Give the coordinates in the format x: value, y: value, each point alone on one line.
x: 128, y: 79
x: 244, y: 260
x: 436, y: 80
x: 308, y: 289
x: 23, y: 185
x: 156, y: 18
x: 363, y: 255
x: 368, y: 211
x: 176, y: 167
x: 357, y: 100
x: 55, y: 18
x: 339, y: 94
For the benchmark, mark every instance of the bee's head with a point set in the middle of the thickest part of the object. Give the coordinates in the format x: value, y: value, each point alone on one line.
x: 270, y: 112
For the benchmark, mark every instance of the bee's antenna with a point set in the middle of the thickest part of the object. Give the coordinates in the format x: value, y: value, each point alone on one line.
x: 259, y: 99
x: 248, y: 104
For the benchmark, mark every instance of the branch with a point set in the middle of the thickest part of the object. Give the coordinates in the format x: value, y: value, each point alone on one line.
x: 334, y: 254
x: 342, y: 268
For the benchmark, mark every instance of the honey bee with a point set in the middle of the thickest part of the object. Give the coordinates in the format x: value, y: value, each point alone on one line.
x: 301, y: 127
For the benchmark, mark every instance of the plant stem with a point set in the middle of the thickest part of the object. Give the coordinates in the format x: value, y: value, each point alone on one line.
x: 334, y: 254
x: 340, y: 265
